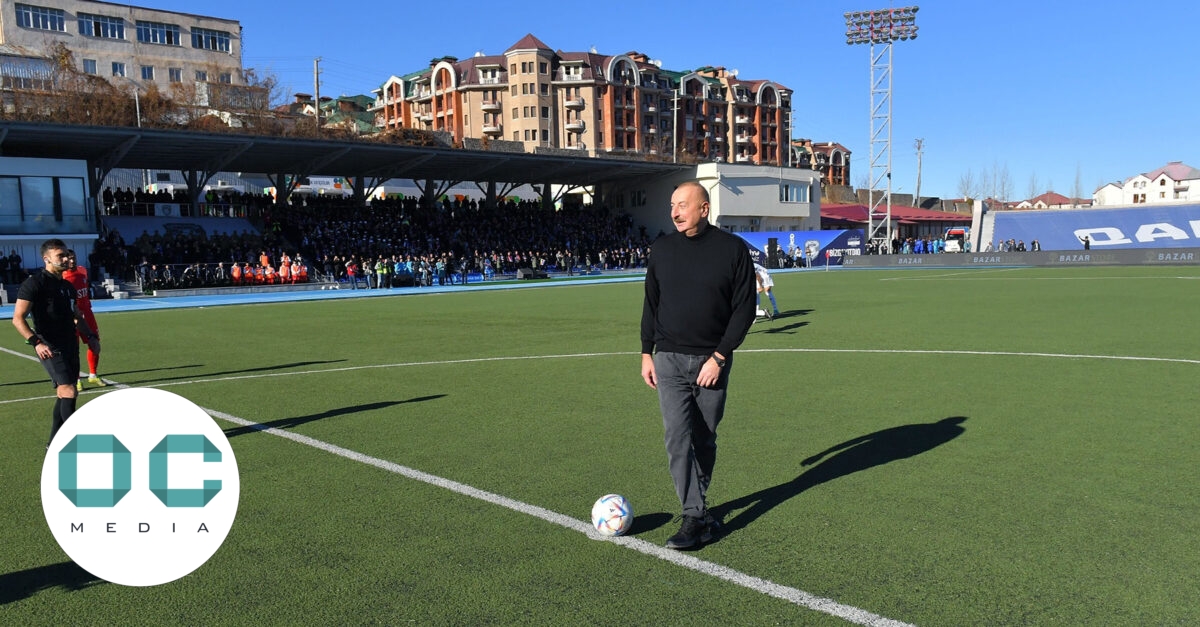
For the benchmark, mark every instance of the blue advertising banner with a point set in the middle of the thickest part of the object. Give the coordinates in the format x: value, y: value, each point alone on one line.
x: 1149, y: 226
x: 824, y: 247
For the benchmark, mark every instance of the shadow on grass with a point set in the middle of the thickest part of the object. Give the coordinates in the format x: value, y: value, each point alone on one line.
x: 288, y: 423
x: 648, y: 522
x: 851, y: 456
x: 123, y: 372
x: 211, y: 375
x: 26, y: 583
x: 768, y: 326
x: 109, y: 374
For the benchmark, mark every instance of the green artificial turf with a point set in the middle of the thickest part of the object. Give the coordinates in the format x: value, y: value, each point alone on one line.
x: 935, y: 447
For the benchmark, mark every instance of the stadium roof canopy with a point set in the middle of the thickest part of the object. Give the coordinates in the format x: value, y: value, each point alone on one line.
x: 106, y: 148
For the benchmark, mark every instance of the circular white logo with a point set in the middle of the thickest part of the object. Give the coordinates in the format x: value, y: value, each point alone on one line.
x: 140, y: 487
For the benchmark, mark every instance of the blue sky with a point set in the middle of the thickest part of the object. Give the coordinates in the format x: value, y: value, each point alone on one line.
x: 1051, y: 91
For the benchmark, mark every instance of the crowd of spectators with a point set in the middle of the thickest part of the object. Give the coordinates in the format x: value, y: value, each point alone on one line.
x: 456, y: 238
x: 216, y: 202
x: 386, y: 243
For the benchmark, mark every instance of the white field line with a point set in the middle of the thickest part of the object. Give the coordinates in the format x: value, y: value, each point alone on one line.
x: 579, y: 355
x: 935, y: 277
x: 792, y: 595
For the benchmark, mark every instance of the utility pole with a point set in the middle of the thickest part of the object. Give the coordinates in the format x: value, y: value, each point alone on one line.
x: 317, y: 91
x: 920, y: 144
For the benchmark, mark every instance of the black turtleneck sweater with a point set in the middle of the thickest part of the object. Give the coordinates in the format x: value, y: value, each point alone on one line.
x: 699, y: 293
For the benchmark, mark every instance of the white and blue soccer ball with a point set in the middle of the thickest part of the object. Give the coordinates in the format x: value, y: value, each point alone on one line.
x: 612, y: 515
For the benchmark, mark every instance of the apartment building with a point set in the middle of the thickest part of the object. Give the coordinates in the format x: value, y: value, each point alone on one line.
x: 116, y: 41
x: 597, y: 104
x: 830, y: 159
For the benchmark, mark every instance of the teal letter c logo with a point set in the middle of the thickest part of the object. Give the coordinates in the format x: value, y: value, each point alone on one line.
x: 182, y: 497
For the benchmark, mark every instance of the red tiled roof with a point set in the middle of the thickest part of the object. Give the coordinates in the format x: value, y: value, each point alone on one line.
x: 529, y: 42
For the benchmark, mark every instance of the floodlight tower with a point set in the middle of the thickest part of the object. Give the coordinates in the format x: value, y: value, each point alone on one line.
x: 882, y: 27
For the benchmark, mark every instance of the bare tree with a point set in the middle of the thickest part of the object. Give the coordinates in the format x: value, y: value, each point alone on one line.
x: 1035, y: 188
x: 968, y: 186
x: 1077, y: 188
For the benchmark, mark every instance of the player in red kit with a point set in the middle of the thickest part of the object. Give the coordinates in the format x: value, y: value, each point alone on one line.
x: 77, y: 276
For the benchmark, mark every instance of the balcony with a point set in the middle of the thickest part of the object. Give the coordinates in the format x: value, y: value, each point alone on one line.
x: 576, y: 126
x: 718, y: 119
x: 744, y: 139
x: 653, y: 130
x: 651, y: 109
x: 492, y: 129
x: 719, y: 139
x: 575, y: 103
x: 491, y: 106
x: 742, y: 119
x: 425, y: 117
x: 489, y: 80
x: 743, y: 158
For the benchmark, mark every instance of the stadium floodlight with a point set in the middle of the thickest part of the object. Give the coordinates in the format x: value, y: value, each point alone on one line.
x: 883, y: 27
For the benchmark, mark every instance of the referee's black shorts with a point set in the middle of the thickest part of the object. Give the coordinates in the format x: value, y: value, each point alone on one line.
x: 63, y: 366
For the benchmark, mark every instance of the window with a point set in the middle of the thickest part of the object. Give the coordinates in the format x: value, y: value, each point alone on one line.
x: 514, y: 113
x: 525, y: 88
x: 147, y: 72
x: 545, y: 89
x: 516, y: 136
x: 514, y: 90
x: 792, y: 192
x: 118, y: 68
x: 546, y: 112
x: 543, y: 68
x: 41, y: 199
x: 41, y: 18
x: 89, y: 66
x: 202, y: 76
x: 545, y: 135
x: 101, y: 26
x: 158, y: 33
x: 175, y: 74
x: 512, y: 69
x: 206, y: 39
x: 225, y: 77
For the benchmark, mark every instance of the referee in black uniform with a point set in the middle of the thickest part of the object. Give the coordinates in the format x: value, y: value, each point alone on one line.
x: 51, y: 300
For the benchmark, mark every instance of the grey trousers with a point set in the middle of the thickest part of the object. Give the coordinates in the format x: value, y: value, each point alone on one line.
x: 690, y: 417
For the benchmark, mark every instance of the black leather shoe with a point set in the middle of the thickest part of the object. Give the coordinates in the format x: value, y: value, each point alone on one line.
x: 692, y: 533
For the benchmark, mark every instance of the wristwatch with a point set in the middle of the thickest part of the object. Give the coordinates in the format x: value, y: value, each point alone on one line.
x: 34, y: 340
x: 720, y: 360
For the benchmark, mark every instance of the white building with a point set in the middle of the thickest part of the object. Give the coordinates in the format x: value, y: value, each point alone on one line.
x: 117, y: 41
x: 742, y: 198
x: 1175, y: 182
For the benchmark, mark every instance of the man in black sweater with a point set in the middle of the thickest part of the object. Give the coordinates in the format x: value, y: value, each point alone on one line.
x: 700, y: 293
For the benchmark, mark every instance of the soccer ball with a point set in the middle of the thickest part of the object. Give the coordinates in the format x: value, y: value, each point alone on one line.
x: 612, y: 515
